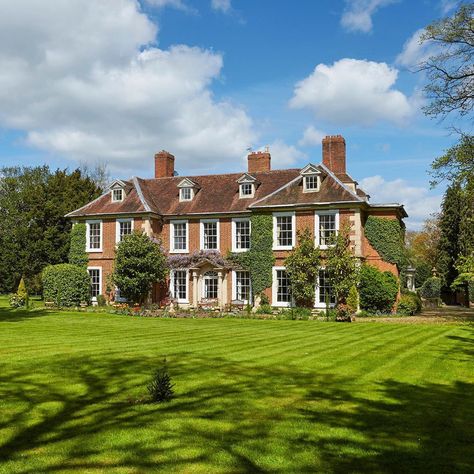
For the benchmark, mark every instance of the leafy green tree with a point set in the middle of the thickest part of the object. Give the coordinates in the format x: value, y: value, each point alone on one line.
x: 341, y: 265
x: 450, y: 72
x: 139, y: 262
x: 302, y: 266
x: 77, y: 249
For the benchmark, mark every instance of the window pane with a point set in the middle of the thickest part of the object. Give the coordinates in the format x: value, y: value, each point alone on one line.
x: 117, y: 194
x: 210, y: 235
x: 186, y: 194
x: 179, y: 285
x: 242, y: 286
x: 246, y: 189
x: 125, y: 229
x: 242, y: 234
x: 210, y: 285
x: 311, y: 182
x: 325, y: 287
x: 95, y: 282
x: 94, y: 235
x: 179, y: 236
x: 285, y: 231
x: 327, y: 228
x: 283, y: 287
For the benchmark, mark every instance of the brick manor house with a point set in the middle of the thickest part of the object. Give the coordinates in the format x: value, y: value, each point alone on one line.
x: 212, y: 212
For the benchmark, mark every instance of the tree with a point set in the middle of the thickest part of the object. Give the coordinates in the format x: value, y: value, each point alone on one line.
x: 302, y: 266
x: 33, y: 229
x: 341, y: 265
x: 450, y: 72
x: 139, y: 262
x: 449, y: 233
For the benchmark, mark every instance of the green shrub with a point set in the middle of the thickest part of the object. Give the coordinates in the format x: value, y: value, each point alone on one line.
x: 378, y: 290
x: 431, y: 288
x: 77, y: 249
x: 298, y: 312
x: 409, y: 304
x: 101, y: 301
x: 16, y: 301
x: 264, y: 309
x: 160, y: 387
x: 66, y: 284
x: 353, y: 299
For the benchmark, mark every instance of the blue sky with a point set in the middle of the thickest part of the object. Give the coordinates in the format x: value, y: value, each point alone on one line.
x: 206, y: 79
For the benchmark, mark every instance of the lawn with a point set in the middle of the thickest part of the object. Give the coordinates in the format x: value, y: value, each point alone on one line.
x: 251, y: 396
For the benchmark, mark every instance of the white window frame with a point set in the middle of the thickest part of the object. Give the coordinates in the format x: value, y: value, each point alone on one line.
x: 218, y: 232
x: 122, y: 193
x: 234, y: 232
x: 234, y: 285
x: 117, y: 227
x: 94, y: 298
x: 88, y: 246
x: 293, y: 230
x: 203, y: 287
x: 172, y: 224
x: 172, y: 273
x: 318, y: 183
x: 246, y: 196
x: 181, y: 193
x: 317, y: 215
x: 317, y: 304
x: 279, y: 304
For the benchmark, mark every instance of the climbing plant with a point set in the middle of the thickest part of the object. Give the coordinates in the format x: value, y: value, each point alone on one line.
x: 387, y: 237
x: 77, y: 249
x: 259, y: 259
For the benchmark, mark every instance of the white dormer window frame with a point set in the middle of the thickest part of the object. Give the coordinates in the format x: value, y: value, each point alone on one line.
x: 186, y: 194
x: 311, y: 178
x: 117, y: 195
x: 117, y: 191
x: 247, y: 185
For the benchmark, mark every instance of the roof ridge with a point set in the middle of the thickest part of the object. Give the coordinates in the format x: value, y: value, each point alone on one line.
x: 140, y: 194
x: 338, y: 181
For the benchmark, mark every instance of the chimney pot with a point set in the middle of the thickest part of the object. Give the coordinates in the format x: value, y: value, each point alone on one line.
x: 334, y: 153
x: 164, y: 164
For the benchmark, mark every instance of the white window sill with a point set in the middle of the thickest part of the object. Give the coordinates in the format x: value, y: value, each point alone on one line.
x: 240, y: 250
x: 323, y: 305
x: 179, y: 251
x: 281, y: 304
x: 283, y: 248
x: 94, y: 250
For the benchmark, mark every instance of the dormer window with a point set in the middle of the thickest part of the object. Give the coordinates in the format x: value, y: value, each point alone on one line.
x: 187, y: 190
x: 247, y: 185
x: 117, y: 195
x: 186, y: 194
x: 311, y: 178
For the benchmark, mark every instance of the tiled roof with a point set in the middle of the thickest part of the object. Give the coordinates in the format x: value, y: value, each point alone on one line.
x: 220, y: 194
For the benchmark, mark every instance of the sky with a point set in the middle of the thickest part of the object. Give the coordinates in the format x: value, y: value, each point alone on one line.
x: 114, y: 81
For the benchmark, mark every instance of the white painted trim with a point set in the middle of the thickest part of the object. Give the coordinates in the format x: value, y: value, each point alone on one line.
x: 94, y: 221
x: 318, y: 183
x: 317, y: 240
x: 275, y: 289
x: 317, y: 304
x: 94, y: 298
x: 294, y: 180
x: 246, y: 196
x: 201, y: 232
x: 293, y: 230
x: 203, y: 285
x: 180, y: 300
x: 333, y: 176
x: 172, y: 224
x: 122, y: 191
x: 181, y: 191
x: 117, y: 227
x: 234, y: 285
x: 234, y: 232
x: 140, y: 194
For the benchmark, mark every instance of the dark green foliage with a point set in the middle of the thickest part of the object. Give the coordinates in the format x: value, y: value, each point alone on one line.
x: 77, y: 249
x: 431, y: 288
x: 34, y: 284
x: 259, y: 260
x: 264, y: 308
x: 422, y: 273
x: 377, y: 290
x: 387, y: 237
x: 33, y: 229
x: 297, y: 313
x: 302, y: 266
x: 160, y: 387
x: 101, y: 301
x: 342, y: 266
x: 409, y: 304
x: 139, y: 263
x: 16, y: 301
x: 353, y: 299
x: 66, y: 284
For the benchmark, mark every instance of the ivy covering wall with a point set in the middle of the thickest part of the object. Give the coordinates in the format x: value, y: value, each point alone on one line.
x: 387, y: 237
x: 77, y: 250
x: 259, y: 260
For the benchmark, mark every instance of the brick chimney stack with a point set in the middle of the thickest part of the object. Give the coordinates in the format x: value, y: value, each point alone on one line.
x: 334, y: 153
x: 259, y: 161
x: 164, y: 164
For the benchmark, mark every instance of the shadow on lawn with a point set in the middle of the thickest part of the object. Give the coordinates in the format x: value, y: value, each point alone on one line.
x: 231, y: 416
x: 12, y: 315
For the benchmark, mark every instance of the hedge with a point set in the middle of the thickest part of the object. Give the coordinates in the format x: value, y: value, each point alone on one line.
x: 66, y: 284
x: 409, y: 304
x: 77, y: 249
x: 431, y: 288
x: 377, y: 290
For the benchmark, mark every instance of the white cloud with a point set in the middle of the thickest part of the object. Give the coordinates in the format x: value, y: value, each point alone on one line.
x: 357, y: 15
x: 178, y: 4
x: 353, y: 91
x: 311, y: 137
x: 414, y: 52
x: 447, y: 5
x: 418, y: 202
x: 224, y: 6
x: 283, y: 155
x: 86, y: 80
